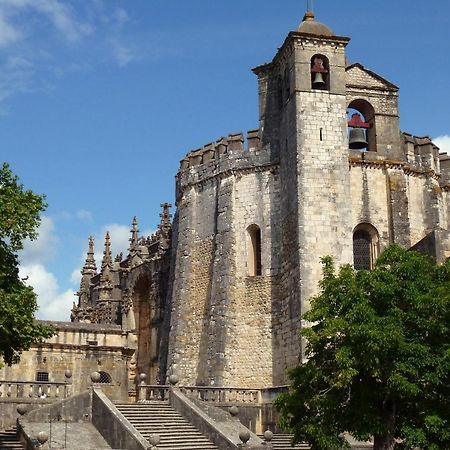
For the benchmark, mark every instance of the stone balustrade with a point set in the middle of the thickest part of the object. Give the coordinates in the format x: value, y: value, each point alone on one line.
x: 223, y: 394
x: 234, y: 395
x: 34, y: 389
x: 148, y: 392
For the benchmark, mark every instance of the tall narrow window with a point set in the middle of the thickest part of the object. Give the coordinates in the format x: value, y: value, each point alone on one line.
x: 254, y: 250
x: 365, y: 246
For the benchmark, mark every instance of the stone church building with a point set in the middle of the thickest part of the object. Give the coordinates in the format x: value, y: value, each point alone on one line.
x: 217, y: 293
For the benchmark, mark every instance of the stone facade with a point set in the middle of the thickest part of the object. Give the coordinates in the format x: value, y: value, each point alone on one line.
x: 216, y: 295
x: 77, y: 350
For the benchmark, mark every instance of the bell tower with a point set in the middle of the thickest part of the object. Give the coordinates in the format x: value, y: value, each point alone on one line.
x: 303, y: 120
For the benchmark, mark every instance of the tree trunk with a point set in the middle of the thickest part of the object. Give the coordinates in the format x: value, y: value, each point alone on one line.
x: 383, y: 442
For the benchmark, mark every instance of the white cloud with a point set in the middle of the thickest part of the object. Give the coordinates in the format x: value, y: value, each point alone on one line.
x: 8, y: 33
x: 53, y: 304
x: 44, y: 247
x: 84, y: 215
x: 59, y: 14
x: 16, y: 76
x: 121, y: 16
x: 443, y: 142
x: 122, y: 54
x: 40, y: 29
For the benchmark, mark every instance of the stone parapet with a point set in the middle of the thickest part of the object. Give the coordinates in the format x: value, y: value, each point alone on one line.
x: 223, y: 157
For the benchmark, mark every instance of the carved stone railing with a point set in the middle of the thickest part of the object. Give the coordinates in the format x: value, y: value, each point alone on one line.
x: 34, y: 389
x: 148, y: 392
x: 223, y: 394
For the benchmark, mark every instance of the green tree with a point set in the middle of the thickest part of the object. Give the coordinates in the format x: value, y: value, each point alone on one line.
x: 379, y: 357
x: 19, y: 219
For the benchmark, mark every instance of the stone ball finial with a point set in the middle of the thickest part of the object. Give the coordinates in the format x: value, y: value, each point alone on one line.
x: 154, y: 439
x: 68, y: 374
x: 268, y: 435
x: 42, y: 437
x: 234, y: 411
x: 22, y: 409
x: 95, y: 377
x: 173, y: 379
x: 142, y: 377
x: 244, y: 436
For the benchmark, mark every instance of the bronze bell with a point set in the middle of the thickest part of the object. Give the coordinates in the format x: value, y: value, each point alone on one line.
x: 357, y: 140
x: 318, y: 82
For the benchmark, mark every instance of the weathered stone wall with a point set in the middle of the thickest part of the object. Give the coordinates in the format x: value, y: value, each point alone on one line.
x: 221, y: 320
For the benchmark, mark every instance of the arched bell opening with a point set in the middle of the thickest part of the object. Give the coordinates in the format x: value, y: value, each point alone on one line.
x: 320, y: 73
x: 361, y: 126
x: 254, y: 264
x: 365, y: 246
x: 147, y: 328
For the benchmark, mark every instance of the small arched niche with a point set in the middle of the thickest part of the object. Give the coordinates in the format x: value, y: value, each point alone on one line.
x: 365, y: 246
x: 254, y: 250
x: 361, y: 112
x: 320, y: 72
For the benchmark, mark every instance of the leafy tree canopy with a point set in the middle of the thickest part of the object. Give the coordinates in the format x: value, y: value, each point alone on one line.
x: 19, y: 219
x: 379, y: 357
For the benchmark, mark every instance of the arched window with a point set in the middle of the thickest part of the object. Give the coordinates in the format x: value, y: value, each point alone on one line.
x: 362, y: 131
x: 320, y: 73
x: 254, y: 250
x: 105, y: 377
x: 365, y: 246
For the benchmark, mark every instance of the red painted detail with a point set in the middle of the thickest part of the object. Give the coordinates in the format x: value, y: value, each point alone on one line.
x: 357, y: 122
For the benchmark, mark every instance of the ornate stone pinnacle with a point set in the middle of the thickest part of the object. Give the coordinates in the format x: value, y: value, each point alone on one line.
x: 134, y: 240
x: 107, y: 260
x: 90, y: 268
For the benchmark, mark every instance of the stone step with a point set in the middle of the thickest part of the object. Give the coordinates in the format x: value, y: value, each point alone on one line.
x: 158, y: 417
x: 9, y: 440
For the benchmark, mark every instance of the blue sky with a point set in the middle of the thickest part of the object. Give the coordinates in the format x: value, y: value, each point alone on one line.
x: 100, y: 99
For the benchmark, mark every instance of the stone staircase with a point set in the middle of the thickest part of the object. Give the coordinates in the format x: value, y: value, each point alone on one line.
x: 158, y: 417
x: 9, y: 440
x: 283, y: 442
